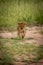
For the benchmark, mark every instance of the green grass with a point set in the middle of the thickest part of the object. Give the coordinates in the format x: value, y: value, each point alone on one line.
x: 41, y: 32
x: 14, y: 11
x: 30, y: 38
x: 13, y: 51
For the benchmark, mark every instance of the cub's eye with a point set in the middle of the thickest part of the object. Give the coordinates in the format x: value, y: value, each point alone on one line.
x: 21, y: 28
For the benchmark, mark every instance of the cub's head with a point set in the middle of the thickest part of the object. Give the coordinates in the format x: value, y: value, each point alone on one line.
x: 21, y: 24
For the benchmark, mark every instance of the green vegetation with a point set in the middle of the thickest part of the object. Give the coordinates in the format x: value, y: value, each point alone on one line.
x: 12, y: 51
x: 14, y: 11
x: 30, y: 38
x: 41, y: 32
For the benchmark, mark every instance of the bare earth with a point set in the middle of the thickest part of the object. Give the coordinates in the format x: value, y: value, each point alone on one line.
x: 32, y: 35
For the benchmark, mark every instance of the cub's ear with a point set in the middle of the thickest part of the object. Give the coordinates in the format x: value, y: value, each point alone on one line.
x: 18, y: 23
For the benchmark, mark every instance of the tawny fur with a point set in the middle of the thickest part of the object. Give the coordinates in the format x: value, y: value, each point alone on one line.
x: 21, y: 29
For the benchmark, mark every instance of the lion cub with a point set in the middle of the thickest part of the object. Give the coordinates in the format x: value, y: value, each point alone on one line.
x: 21, y: 30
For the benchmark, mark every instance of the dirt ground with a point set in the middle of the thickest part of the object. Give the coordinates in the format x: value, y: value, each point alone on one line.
x: 32, y: 35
